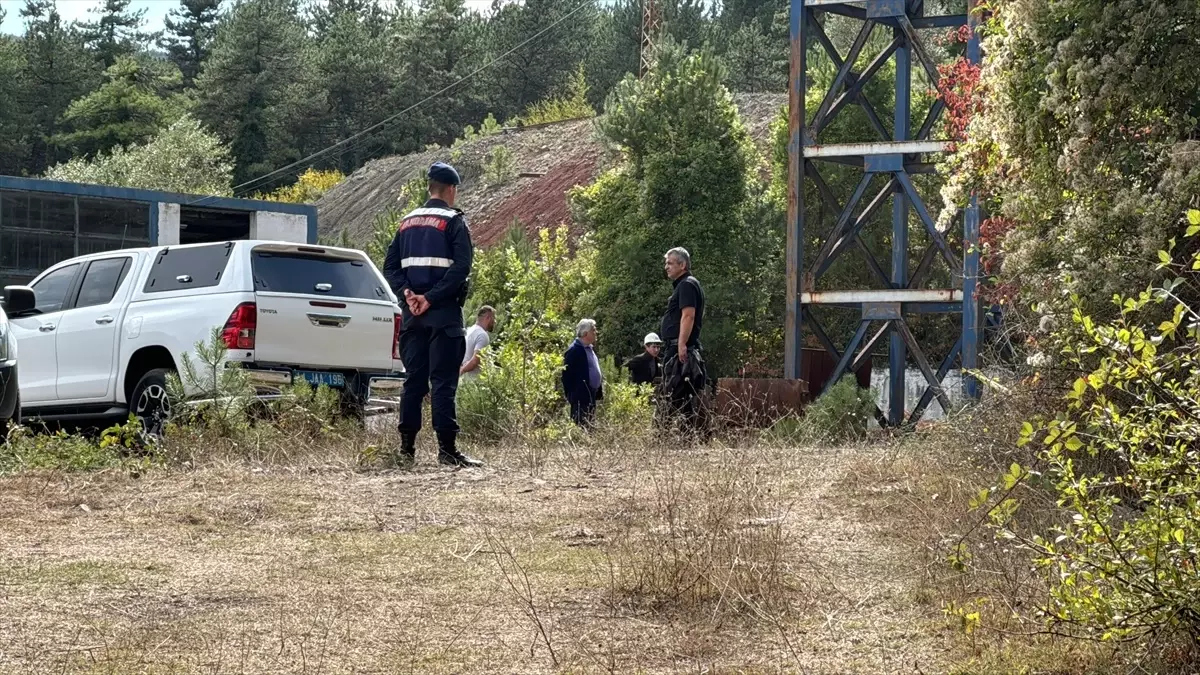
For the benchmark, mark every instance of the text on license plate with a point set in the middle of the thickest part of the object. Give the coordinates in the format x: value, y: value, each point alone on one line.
x: 316, y: 378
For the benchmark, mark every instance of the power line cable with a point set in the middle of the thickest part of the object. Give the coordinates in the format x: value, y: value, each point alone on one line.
x: 416, y: 105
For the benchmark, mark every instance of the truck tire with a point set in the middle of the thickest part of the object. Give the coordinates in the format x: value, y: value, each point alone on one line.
x: 7, y: 425
x: 353, y: 407
x: 149, y: 401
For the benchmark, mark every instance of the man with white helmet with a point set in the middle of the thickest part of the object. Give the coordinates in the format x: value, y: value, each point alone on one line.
x: 645, y: 368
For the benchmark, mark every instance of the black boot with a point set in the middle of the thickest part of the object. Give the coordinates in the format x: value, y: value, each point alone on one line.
x: 448, y: 454
x: 408, y: 449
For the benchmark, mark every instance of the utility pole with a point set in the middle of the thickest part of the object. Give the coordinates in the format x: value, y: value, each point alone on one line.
x: 651, y: 22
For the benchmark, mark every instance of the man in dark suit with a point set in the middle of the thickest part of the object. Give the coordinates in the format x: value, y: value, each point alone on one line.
x: 581, y: 378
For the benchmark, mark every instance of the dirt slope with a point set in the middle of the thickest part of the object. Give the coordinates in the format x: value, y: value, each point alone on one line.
x: 558, y: 157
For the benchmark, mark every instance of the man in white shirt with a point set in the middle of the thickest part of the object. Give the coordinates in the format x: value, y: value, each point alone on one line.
x: 477, y: 338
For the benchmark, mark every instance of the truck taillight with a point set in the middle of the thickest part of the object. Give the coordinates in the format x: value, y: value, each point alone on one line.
x: 239, y: 328
x: 396, y: 336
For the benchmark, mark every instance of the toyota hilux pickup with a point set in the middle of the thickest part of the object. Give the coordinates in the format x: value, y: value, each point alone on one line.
x: 106, y: 329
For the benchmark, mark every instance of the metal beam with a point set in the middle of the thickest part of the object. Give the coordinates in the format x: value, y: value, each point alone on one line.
x: 844, y: 71
x: 855, y: 90
x: 881, y: 295
x: 972, y: 313
x: 863, y: 102
x: 897, y: 358
x: 829, y: 198
x: 876, y: 148
x: 797, y: 86
x: 841, y: 244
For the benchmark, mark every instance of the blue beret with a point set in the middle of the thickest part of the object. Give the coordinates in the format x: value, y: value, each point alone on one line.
x: 443, y: 173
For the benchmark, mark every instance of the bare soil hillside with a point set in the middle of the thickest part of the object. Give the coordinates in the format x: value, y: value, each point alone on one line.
x: 553, y: 158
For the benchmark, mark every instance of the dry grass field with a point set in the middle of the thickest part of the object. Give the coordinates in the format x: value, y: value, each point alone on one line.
x: 605, y: 556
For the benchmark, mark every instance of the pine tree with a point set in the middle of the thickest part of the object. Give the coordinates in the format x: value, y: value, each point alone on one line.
x: 13, y: 118
x: 354, y: 62
x: 115, y: 33
x: 617, y: 48
x: 545, y: 65
x: 257, y: 89
x: 189, y: 35
x: 57, y: 70
x: 431, y: 64
x: 738, y: 13
x: 128, y: 108
x: 758, y: 56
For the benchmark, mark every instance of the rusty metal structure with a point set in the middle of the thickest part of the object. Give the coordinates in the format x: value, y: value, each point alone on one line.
x: 897, y: 154
x: 651, y: 23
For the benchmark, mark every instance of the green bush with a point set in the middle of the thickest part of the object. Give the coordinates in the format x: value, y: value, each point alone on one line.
x: 1122, y: 461
x: 307, y: 409
x: 494, y: 273
x: 517, y: 392
x: 840, y: 415
x: 500, y: 167
x: 209, y: 393
x: 118, y: 445
x: 1086, y: 169
x: 689, y: 177
x: 572, y: 105
x: 489, y: 127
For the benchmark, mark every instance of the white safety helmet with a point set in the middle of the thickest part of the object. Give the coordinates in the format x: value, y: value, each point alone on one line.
x: 652, y: 339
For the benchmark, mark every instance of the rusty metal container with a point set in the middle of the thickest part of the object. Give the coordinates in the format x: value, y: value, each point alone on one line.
x: 757, y: 402
x: 816, y: 367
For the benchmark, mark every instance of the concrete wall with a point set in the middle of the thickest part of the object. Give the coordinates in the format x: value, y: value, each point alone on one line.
x: 168, y: 224
x: 279, y: 227
x: 914, y: 387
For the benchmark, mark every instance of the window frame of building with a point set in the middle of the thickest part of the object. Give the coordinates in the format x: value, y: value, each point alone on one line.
x: 34, y: 243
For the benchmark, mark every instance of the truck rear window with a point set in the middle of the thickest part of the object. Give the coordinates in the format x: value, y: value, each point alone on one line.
x: 177, y: 269
x: 315, y: 275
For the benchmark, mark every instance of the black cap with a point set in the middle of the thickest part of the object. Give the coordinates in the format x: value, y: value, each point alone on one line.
x: 443, y: 173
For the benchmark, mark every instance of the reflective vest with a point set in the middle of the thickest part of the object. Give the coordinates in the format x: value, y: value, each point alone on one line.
x: 425, y: 246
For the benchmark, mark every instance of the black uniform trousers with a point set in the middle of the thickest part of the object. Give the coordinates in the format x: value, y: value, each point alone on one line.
x: 432, y: 356
x: 683, y: 386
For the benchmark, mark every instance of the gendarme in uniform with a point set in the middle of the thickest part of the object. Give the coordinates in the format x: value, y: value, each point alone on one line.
x: 428, y: 263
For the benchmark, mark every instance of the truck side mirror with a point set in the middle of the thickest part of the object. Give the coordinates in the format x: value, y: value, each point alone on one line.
x: 18, y: 300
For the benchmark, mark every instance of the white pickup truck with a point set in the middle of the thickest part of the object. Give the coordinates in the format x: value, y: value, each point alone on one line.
x: 107, y: 328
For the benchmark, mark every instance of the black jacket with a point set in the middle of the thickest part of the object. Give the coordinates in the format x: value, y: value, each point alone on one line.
x: 643, y: 369
x: 448, y: 294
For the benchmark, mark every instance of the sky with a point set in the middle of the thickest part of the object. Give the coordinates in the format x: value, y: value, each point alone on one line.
x: 70, y: 10
x: 156, y: 11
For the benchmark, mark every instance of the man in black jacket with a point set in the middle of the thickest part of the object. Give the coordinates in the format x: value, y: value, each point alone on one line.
x: 644, y: 368
x: 684, y: 374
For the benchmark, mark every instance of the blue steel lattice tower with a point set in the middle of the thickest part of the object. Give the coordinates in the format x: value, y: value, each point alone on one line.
x: 896, y: 156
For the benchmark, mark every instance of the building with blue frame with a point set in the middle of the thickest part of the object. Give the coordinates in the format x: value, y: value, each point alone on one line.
x: 43, y: 222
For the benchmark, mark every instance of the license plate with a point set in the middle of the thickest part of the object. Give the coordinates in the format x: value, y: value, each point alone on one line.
x: 316, y: 378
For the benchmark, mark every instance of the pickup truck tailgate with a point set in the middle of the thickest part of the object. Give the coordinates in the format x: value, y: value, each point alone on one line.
x: 321, y: 308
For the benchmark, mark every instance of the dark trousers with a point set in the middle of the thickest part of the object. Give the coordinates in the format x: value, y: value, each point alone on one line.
x: 431, y: 356
x: 583, y: 410
x: 683, y: 388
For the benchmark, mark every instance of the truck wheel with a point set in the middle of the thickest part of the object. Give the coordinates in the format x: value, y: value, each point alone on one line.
x: 149, y: 402
x: 7, y: 425
x: 353, y: 407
